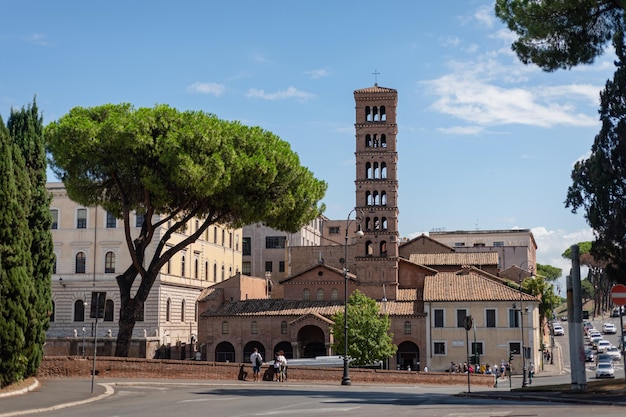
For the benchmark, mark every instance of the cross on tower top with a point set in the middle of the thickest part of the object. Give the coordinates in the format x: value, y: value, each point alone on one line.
x: 376, y: 74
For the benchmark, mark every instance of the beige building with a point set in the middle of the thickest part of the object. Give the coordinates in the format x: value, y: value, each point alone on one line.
x: 90, y: 249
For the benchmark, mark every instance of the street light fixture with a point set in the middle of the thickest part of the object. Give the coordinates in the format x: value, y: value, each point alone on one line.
x: 345, y: 380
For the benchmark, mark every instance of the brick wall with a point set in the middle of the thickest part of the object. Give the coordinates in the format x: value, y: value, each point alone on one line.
x: 111, y: 367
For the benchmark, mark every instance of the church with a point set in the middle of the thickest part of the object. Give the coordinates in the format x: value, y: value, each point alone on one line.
x: 426, y: 297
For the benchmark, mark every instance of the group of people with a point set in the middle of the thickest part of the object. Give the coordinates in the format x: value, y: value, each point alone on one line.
x: 497, y: 370
x: 279, y: 366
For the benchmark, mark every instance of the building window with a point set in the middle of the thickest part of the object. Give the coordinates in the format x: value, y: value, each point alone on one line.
x: 334, y: 294
x: 168, y: 309
x: 223, y: 237
x: 306, y: 294
x: 320, y: 294
x: 460, y: 318
x: 139, y: 218
x: 81, y: 218
x: 477, y: 348
x: 246, y: 268
x: 246, y: 246
x: 333, y: 230
x: 515, y: 348
x: 407, y: 327
x: 438, y: 317
x: 196, y: 268
x: 283, y: 327
x: 275, y: 242
x: 182, y: 311
x: 215, y: 272
x: 281, y: 266
x: 439, y: 348
x: 109, y: 263
x: 79, y: 310
x: 225, y: 327
x: 206, y: 271
x: 490, y: 316
x: 459, y: 244
x: 479, y: 245
x: 223, y: 272
x: 52, y: 312
x: 108, y: 310
x: 268, y: 266
x: 55, y: 219
x: 254, y: 327
x: 81, y: 263
x: 182, y: 265
x: 513, y: 318
x: 111, y: 221
x: 498, y: 243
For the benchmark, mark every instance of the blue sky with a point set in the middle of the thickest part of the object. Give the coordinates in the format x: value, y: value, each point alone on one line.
x: 484, y: 142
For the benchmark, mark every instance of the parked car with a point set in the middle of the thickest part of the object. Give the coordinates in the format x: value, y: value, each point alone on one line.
x: 609, y: 328
x: 614, y: 352
x: 558, y: 330
x: 602, y: 346
x: 605, y: 370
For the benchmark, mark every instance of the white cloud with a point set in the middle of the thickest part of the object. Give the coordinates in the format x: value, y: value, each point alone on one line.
x: 318, y: 73
x: 462, y: 130
x: 37, y: 39
x: 485, y: 16
x: 206, y: 88
x: 290, y: 92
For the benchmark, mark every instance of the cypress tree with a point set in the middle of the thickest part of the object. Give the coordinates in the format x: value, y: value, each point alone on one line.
x: 16, y: 284
x: 26, y: 130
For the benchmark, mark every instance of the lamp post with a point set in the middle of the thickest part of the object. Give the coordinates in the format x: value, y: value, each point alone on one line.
x: 345, y: 380
x: 521, y: 316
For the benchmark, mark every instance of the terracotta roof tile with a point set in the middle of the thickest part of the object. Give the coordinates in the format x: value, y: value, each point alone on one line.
x: 458, y: 258
x: 375, y: 89
x: 472, y: 286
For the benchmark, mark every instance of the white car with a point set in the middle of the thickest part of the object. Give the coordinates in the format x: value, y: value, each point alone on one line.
x: 602, y: 346
x: 614, y: 352
x: 605, y: 370
x: 608, y: 328
x: 558, y: 330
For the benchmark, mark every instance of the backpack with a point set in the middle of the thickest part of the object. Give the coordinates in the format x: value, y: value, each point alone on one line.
x: 259, y: 361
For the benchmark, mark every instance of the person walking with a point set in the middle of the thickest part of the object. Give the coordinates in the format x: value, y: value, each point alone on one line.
x: 282, y: 367
x: 257, y: 361
x: 531, y: 373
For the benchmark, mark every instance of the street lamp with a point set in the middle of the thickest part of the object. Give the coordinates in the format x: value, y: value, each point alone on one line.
x: 521, y: 316
x: 345, y: 380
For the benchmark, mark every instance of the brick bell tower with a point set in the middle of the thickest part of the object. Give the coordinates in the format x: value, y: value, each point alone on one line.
x: 377, y: 190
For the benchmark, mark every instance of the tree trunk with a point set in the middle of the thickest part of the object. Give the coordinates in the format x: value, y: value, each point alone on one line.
x: 128, y: 312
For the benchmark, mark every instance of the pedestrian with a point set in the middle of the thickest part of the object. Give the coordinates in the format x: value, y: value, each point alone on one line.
x: 531, y: 373
x: 282, y: 366
x: 257, y: 361
x: 426, y: 369
x: 276, y: 368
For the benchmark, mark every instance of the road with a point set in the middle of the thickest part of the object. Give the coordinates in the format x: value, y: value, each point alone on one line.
x: 269, y: 399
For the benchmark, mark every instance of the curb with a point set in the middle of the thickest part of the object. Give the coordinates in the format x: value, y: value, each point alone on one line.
x: 31, y: 387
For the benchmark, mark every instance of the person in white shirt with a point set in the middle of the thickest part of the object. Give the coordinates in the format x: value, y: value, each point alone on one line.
x: 257, y: 360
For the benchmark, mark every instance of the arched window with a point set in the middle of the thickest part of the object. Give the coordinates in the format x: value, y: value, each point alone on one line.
x: 223, y: 272
x: 376, y: 172
x: 306, y: 294
x: 168, y: 309
x: 383, y: 198
x: 320, y: 294
x: 334, y: 294
x: 368, y: 141
x: 368, y: 114
x: 108, y: 310
x: 376, y: 198
x: 109, y: 263
x: 182, y: 311
x: 182, y: 265
x: 407, y: 327
x: 206, y: 270
x: 375, y: 116
x: 254, y: 327
x: 368, y: 170
x: 383, y: 114
x: 196, y: 268
x: 376, y: 223
x: 383, y: 170
x: 283, y: 327
x: 368, y: 223
x: 383, y: 141
x: 81, y: 263
x: 368, y: 199
x: 384, y: 223
x: 215, y: 272
x: 225, y: 327
x: 79, y: 310
x: 375, y: 141
x: 369, y: 248
x: 383, y: 248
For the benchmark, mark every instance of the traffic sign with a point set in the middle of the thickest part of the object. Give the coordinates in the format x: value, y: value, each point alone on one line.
x: 618, y: 294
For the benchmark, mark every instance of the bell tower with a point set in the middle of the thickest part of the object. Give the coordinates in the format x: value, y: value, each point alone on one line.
x: 377, y: 190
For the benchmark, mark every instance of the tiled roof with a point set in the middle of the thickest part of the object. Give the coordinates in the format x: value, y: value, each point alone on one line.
x: 375, y: 89
x: 250, y: 308
x: 459, y: 258
x: 471, y: 286
x: 210, y: 293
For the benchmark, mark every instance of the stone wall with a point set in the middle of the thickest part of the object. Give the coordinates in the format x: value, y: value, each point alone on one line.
x: 111, y: 367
